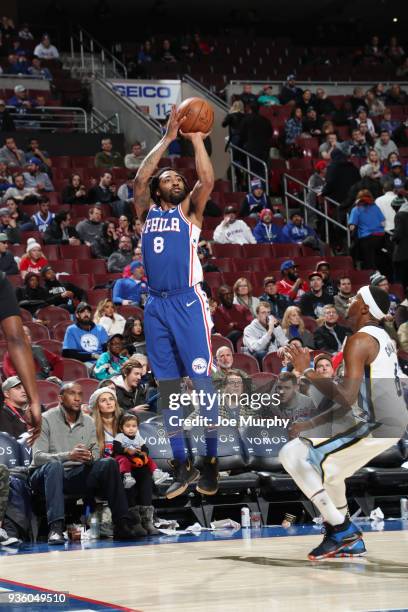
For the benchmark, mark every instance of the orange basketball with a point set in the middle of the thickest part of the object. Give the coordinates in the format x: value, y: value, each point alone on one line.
x: 199, y: 115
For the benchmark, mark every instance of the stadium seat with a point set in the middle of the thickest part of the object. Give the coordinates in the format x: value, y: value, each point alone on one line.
x: 263, y: 381
x: 89, y: 385
x: 11, y: 451
x: 262, y: 446
x: 68, y: 251
x: 38, y: 331
x: 96, y: 295
x: 51, y: 252
x: 64, y: 265
x: 246, y: 362
x: 54, y: 346
x: 74, y: 369
x: 226, y: 250
x: 310, y: 323
x: 26, y: 315
x: 48, y: 391
x: 91, y: 266
x: 53, y: 315
x: 130, y: 311
x: 218, y: 341
x: 84, y: 281
x: 257, y: 250
x: 272, y: 363
x: 58, y: 331
x: 287, y: 250
x: 225, y: 264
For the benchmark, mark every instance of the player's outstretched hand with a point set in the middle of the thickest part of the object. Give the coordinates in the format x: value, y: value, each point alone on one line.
x: 300, y: 357
x: 174, y: 124
x: 194, y: 135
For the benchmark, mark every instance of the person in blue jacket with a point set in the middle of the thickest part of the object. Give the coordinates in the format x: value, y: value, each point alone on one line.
x: 84, y: 340
x: 130, y: 290
x: 297, y: 232
x: 265, y: 232
x: 255, y: 201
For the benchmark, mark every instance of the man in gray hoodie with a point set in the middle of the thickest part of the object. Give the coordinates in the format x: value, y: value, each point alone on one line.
x: 264, y: 334
x: 89, y: 229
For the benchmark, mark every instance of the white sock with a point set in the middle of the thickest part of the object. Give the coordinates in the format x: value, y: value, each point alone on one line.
x: 328, y: 510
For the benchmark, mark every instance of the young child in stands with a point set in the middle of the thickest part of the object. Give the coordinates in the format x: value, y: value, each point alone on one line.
x: 129, y: 448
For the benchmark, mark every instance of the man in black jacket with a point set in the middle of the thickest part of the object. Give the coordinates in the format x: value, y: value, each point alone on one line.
x: 340, y: 176
x: 313, y: 301
x: 104, y: 193
x: 7, y: 262
x: 60, y: 230
x: 61, y: 294
x: 255, y: 135
x: 330, y: 336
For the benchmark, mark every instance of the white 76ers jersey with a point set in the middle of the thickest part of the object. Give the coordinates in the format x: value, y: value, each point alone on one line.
x: 169, y: 247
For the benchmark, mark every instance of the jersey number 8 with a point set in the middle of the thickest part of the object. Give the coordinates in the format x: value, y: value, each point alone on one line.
x: 158, y: 244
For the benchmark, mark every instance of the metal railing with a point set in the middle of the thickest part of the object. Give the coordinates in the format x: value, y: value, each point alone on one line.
x: 247, y: 170
x: 307, y: 208
x: 51, y: 119
x: 100, y: 123
x: 101, y: 61
x: 206, y: 92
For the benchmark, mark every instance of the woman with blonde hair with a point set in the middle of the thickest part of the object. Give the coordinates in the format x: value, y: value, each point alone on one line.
x: 33, y: 260
x: 243, y: 295
x: 106, y: 315
x: 294, y: 326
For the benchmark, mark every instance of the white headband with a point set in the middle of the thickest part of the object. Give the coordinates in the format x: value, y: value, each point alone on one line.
x: 368, y: 299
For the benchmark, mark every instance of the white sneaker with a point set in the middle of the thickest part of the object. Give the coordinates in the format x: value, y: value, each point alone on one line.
x: 159, y: 476
x: 128, y: 481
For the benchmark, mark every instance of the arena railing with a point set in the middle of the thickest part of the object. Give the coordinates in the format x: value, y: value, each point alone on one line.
x: 246, y: 169
x: 51, y: 119
x: 307, y: 209
x: 100, y: 123
x: 102, y: 62
x: 333, y: 87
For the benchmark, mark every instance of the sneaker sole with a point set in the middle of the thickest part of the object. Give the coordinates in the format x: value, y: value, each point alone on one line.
x: 183, y: 487
x: 204, y: 492
x: 333, y: 553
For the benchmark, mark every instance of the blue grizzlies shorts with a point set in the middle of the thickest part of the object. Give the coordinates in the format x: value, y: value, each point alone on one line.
x: 177, y: 328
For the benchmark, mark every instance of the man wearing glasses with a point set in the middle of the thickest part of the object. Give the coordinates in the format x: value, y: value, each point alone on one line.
x: 8, y: 264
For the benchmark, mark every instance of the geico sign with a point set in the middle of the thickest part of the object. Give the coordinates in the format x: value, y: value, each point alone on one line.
x: 143, y: 91
x: 276, y: 440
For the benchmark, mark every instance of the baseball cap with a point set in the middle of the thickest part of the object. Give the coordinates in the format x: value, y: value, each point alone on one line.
x: 135, y: 265
x: 46, y: 269
x: 83, y: 306
x: 256, y: 184
x: 321, y: 356
x: 322, y: 263
x: 314, y: 273
x: 3, y: 237
x: 269, y: 279
x: 10, y: 382
x: 310, y: 108
x: 396, y: 164
x: 286, y: 265
x: 291, y: 77
x: 34, y: 160
x: 4, y: 211
x: 230, y: 209
x: 321, y: 165
x: 19, y: 89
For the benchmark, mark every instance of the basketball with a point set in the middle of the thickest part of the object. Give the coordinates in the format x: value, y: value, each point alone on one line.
x: 199, y: 115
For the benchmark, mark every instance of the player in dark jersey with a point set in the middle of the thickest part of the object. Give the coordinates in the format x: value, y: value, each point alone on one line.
x: 177, y: 317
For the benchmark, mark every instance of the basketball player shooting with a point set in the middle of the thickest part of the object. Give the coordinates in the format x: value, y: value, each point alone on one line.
x: 177, y: 317
x: 372, y: 381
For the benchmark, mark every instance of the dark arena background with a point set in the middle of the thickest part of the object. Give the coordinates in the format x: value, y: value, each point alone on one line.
x: 305, y: 177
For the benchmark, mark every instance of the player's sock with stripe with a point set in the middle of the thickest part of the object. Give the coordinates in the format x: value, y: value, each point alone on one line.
x: 327, y: 509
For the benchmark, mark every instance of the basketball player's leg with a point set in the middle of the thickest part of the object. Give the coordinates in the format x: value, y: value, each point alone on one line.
x: 167, y: 368
x: 341, y: 535
x: 191, y: 330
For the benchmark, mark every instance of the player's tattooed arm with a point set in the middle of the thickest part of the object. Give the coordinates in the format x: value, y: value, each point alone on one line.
x: 141, y: 191
x: 205, y: 184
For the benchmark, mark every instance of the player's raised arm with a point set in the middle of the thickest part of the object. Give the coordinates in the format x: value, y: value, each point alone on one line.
x: 141, y: 190
x: 205, y: 184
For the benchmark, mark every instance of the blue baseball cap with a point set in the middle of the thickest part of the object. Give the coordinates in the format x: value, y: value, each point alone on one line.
x: 287, y: 265
x: 35, y: 160
x: 135, y: 265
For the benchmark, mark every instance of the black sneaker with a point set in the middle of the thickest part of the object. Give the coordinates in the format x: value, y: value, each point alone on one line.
x: 184, y: 474
x: 208, y: 483
x: 56, y: 533
x: 125, y: 531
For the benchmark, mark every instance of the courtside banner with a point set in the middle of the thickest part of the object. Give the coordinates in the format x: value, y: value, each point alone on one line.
x: 158, y: 95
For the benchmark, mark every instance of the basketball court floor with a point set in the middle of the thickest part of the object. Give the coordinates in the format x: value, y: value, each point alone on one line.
x: 221, y: 571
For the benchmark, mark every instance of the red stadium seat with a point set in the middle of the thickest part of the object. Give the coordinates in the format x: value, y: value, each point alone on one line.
x: 84, y: 281
x: 68, y: 251
x: 74, y: 369
x: 310, y: 323
x: 130, y: 311
x: 51, y: 252
x: 89, y: 385
x: 225, y: 264
x: 287, y: 250
x: 272, y: 363
x: 263, y: 381
x: 102, y: 279
x: 65, y: 265
x: 38, y: 331
x: 246, y: 362
x: 58, y: 331
x: 54, y: 346
x: 226, y: 250
x: 218, y: 341
x: 91, y: 266
x: 25, y: 315
x: 96, y: 295
x: 48, y: 391
x: 258, y: 250
x: 53, y: 315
